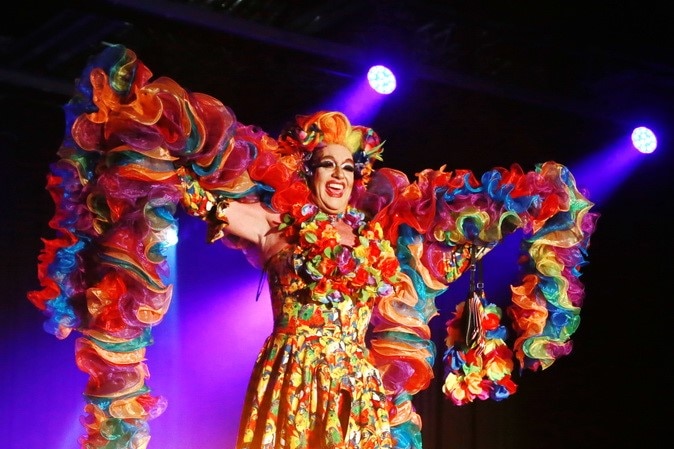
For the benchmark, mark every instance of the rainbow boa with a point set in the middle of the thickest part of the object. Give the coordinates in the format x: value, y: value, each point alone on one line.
x: 116, y: 187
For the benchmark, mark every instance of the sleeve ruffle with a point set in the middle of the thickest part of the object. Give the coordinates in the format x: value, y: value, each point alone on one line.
x: 116, y: 188
x: 434, y: 221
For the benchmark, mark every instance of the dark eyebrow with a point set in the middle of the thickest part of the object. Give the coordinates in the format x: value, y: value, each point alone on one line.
x: 332, y: 158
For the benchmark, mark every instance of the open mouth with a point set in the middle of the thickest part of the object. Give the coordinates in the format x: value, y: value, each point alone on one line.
x: 334, y: 189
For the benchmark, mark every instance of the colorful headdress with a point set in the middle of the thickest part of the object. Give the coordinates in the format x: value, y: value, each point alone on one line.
x: 310, y: 132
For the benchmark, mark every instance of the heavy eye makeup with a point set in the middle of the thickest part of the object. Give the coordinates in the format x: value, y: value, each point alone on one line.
x: 331, y: 164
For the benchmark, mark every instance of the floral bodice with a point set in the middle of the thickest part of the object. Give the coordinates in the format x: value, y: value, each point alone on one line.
x: 331, y: 272
x: 317, y: 281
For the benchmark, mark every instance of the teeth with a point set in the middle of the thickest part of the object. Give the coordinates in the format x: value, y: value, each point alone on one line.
x: 334, y: 189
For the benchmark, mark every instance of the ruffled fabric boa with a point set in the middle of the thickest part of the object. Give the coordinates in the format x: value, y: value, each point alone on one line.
x: 116, y: 187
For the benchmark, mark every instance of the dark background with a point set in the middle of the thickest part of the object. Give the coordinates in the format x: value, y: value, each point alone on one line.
x: 485, y: 85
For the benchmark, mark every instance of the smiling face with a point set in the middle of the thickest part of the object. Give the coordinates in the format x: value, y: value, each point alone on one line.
x: 332, y: 179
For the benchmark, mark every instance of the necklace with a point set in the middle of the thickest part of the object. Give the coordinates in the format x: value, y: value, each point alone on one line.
x: 333, y: 272
x: 352, y: 216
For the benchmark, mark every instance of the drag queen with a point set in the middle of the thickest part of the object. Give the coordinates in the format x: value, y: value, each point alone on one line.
x: 354, y: 255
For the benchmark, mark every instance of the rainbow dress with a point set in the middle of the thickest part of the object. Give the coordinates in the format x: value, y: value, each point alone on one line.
x: 313, y: 384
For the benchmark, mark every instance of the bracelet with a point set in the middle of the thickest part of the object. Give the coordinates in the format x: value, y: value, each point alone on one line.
x: 201, y: 203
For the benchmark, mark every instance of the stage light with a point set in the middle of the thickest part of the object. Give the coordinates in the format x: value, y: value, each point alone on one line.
x: 169, y: 236
x: 381, y: 79
x: 644, y: 140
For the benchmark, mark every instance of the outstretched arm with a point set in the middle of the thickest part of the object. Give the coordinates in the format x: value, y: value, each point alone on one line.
x: 250, y: 221
x: 116, y: 190
x: 435, y: 224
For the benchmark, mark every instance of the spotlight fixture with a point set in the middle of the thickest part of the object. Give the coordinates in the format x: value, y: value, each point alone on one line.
x: 381, y: 79
x: 644, y: 140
